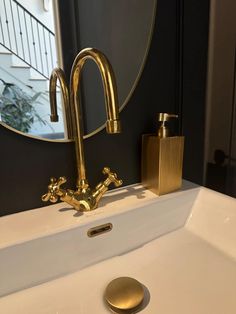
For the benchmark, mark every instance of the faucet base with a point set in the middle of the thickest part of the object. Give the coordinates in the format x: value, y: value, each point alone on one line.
x: 82, y: 199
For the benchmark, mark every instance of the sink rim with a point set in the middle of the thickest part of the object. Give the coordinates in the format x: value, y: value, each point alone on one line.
x: 39, y: 222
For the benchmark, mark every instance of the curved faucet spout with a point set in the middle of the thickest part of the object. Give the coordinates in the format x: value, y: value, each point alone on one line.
x: 111, y: 101
x: 58, y: 74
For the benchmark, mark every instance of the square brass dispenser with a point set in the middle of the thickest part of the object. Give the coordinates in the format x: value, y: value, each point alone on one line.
x: 162, y: 163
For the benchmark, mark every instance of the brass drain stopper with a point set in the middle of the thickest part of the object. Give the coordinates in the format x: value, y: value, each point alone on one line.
x: 124, y: 293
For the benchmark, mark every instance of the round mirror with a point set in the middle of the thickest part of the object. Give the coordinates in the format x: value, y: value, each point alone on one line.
x: 122, y: 30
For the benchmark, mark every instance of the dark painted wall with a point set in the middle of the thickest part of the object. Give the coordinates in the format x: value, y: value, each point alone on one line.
x: 27, y: 164
x: 194, y: 73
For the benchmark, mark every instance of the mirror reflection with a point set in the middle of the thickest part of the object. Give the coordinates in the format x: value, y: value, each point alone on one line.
x: 28, y: 55
x: 121, y: 30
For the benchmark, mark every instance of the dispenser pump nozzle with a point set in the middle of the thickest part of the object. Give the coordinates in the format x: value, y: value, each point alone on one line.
x: 163, y: 131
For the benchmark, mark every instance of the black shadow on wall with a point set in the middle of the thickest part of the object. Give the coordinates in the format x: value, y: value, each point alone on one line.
x: 195, y: 20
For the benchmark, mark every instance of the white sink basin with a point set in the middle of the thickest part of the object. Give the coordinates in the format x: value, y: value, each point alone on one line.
x: 181, y: 247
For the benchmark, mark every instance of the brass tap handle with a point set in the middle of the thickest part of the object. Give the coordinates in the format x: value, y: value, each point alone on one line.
x: 102, y: 187
x: 111, y: 177
x: 54, y: 190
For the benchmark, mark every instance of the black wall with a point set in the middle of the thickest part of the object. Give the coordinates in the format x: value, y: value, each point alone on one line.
x: 195, y: 19
x: 166, y: 85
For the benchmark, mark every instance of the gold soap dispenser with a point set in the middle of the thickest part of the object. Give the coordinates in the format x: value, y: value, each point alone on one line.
x: 162, y: 158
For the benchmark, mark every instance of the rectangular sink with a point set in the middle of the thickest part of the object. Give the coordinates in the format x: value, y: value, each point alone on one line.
x: 180, y: 246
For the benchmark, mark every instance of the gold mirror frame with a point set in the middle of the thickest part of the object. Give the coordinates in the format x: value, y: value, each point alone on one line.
x: 58, y: 43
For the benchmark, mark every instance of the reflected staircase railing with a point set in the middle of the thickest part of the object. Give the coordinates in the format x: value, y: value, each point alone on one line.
x: 25, y: 36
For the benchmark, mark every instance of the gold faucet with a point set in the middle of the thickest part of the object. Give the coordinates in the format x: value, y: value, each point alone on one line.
x: 85, y: 198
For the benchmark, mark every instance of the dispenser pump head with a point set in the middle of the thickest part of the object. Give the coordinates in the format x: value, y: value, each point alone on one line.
x: 163, y: 118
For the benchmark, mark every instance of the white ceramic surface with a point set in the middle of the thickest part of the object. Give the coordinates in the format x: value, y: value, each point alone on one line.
x: 181, y: 246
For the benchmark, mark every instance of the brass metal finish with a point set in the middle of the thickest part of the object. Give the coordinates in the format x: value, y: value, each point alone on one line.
x: 85, y: 198
x: 58, y: 74
x: 162, y: 162
x: 98, y: 230
x: 111, y: 101
x: 162, y: 117
x: 163, y: 131
x: 82, y: 199
x: 124, y: 294
x: 113, y: 126
x: 162, y: 159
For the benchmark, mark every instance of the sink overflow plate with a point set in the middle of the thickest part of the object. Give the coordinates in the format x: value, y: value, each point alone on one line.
x: 96, y: 231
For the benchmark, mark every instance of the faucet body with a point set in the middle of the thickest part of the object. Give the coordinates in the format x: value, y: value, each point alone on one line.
x: 85, y: 198
x: 111, y: 101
